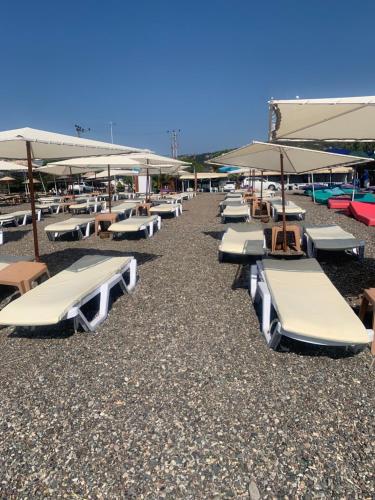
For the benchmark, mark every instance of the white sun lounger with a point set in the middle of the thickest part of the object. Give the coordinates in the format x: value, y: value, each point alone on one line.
x: 135, y: 224
x: 332, y: 238
x: 305, y: 304
x: 291, y: 210
x: 63, y: 296
x: 125, y: 209
x: 19, y: 218
x: 243, y: 239
x: 87, y: 207
x: 80, y: 226
x: 167, y: 208
x: 236, y: 212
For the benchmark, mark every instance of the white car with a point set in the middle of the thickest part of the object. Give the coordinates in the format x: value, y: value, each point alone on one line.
x: 81, y: 187
x: 270, y: 185
x: 229, y: 186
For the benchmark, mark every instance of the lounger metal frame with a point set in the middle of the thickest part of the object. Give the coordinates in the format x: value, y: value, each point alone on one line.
x: 272, y: 330
x: 20, y: 220
x: 103, y: 291
x: 83, y: 231
x: 148, y: 229
x: 177, y: 210
x: 311, y: 250
x: 278, y: 213
x: 247, y: 217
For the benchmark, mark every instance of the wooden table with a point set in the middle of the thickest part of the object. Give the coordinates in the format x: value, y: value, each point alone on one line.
x: 368, y: 299
x: 109, y: 217
x: 143, y: 207
x: 291, y: 229
x: 22, y: 274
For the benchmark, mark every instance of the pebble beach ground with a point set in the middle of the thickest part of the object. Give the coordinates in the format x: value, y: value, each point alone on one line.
x: 177, y: 395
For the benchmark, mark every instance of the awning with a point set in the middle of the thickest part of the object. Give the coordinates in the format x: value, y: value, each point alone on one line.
x: 344, y: 119
x: 203, y: 176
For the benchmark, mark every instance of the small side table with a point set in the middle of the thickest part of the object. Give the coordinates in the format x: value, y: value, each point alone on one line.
x: 368, y: 299
x: 143, y: 208
x: 22, y: 274
x: 291, y: 229
x: 108, y: 217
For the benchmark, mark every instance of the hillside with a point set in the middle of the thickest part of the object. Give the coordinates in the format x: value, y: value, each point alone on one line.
x: 198, y: 160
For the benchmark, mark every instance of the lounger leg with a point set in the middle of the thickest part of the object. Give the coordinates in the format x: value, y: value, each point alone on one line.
x: 253, y: 280
x: 1, y: 237
x: 275, y: 338
x: 129, y: 287
x: 151, y: 229
x: 310, y: 247
x: 266, y: 309
x: 159, y: 222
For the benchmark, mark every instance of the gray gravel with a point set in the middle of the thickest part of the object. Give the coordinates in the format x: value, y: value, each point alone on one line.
x: 177, y: 395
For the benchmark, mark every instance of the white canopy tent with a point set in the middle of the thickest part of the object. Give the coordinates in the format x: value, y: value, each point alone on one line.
x: 284, y: 159
x: 9, y: 166
x: 28, y: 143
x: 343, y: 119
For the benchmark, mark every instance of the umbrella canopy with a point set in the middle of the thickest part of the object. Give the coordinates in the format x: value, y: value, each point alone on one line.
x: 266, y: 156
x: 9, y: 166
x: 56, y: 169
x: 284, y: 159
x: 7, y: 179
x: 28, y: 143
x: 337, y: 119
x: 50, y: 145
x: 154, y: 159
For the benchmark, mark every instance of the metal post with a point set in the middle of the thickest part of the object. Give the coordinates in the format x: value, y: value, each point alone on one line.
x: 195, y: 181
x: 32, y: 200
x: 261, y: 189
x: 109, y: 189
x: 313, y: 187
x: 283, y: 200
x: 147, y: 185
x: 270, y: 122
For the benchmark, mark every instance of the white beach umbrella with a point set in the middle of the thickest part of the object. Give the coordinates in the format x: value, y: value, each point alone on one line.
x: 336, y: 119
x: 28, y: 143
x: 284, y: 159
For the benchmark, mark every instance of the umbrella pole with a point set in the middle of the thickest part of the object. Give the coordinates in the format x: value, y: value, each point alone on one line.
x: 147, y: 185
x: 283, y: 200
x: 261, y: 189
x: 195, y: 181
x: 71, y: 183
x: 32, y: 200
x: 354, y: 182
x: 109, y: 190
x: 8, y: 188
x: 248, y: 184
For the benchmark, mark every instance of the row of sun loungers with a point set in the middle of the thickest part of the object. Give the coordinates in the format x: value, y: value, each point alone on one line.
x: 249, y: 240
x: 296, y: 298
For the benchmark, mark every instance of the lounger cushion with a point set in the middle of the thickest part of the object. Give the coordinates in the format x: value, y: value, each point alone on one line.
x: 309, y: 305
x: 244, y: 240
x: 364, y: 212
x: 164, y: 207
x: 48, y: 303
x: 68, y: 224
x: 123, y: 207
x: 132, y: 225
x: 241, y: 211
x: 331, y: 237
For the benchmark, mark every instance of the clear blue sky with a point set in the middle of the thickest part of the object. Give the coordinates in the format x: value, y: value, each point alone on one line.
x: 207, y: 67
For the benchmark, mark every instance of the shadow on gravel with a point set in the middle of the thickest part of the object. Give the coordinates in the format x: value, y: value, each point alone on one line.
x: 15, y: 235
x: 241, y: 278
x: 216, y: 235
x: 311, y: 350
x: 60, y: 260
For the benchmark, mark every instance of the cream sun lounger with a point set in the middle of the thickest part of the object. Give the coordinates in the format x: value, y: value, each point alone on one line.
x: 291, y: 210
x: 19, y: 218
x: 86, y: 207
x: 236, y: 212
x: 332, y: 238
x: 76, y: 225
x: 167, y: 208
x: 63, y: 296
x: 135, y: 224
x: 242, y: 239
x: 306, y: 304
x: 233, y: 195
x: 231, y: 202
x: 125, y: 209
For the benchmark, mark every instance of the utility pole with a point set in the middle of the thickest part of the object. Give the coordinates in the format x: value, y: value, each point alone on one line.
x: 111, y: 129
x: 174, y: 135
x: 80, y: 130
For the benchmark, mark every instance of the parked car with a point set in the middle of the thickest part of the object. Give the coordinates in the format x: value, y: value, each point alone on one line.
x: 270, y: 185
x: 229, y: 186
x: 81, y: 187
